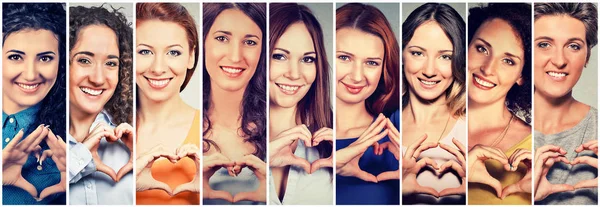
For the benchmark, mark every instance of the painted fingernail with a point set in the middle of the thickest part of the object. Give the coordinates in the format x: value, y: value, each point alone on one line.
x: 47, y: 126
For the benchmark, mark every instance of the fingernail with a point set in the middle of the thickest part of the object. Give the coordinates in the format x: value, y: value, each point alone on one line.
x: 21, y: 130
x: 47, y: 126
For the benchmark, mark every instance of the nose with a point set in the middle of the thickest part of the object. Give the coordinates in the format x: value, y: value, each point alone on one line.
x: 488, y: 67
x: 30, y: 71
x: 293, y: 72
x: 558, y: 59
x: 158, y: 66
x: 357, y: 71
x: 236, y: 53
x: 430, y: 68
x: 97, y: 76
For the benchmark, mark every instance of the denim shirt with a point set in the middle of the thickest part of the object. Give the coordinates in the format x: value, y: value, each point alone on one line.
x: 39, y: 176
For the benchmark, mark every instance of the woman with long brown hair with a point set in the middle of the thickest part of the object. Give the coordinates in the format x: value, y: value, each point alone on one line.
x: 300, y: 109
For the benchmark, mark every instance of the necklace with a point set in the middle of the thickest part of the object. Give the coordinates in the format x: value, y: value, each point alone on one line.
x: 503, y: 133
x: 445, y: 126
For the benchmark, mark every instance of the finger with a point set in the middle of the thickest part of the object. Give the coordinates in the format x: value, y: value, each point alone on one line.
x: 302, y: 163
x: 557, y: 188
x: 426, y: 190
x: 320, y: 163
x: 460, y: 146
x: 423, y: 147
x: 452, y: 191
x: 511, y: 189
x: 218, y: 194
x: 456, y: 152
x: 36, y: 152
x: 58, y: 188
x: 247, y: 196
x: 325, y: 136
x: 426, y: 161
x: 26, y: 143
x: 523, y: 155
x: 412, y: 147
x: 161, y: 186
x: 585, y: 160
x: 45, y: 154
x: 124, y: 170
x: 25, y: 185
x: 360, y: 174
x: 36, y: 142
x: 593, y: 183
x: 255, y: 163
x: 451, y: 164
x: 394, y: 133
x: 372, y: 140
x: 373, y: 129
x: 106, y: 170
x: 322, y: 131
x: 495, y: 184
x: 14, y: 141
x: 547, y: 148
x: 389, y: 175
x: 187, y: 187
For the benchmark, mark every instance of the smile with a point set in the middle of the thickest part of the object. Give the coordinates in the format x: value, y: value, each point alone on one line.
x: 428, y: 84
x: 158, y: 83
x: 482, y: 83
x: 29, y: 88
x: 288, y: 89
x: 232, y: 71
x: 558, y: 76
x: 90, y: 91
x: 353, y: 89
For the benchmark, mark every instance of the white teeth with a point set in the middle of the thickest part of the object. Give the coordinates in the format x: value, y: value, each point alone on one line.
x: 28, y: 87
x: 289, y: 88
x: 232, y: 70
x: 428, y: 82
x: 483, y: 83
x: 159, y: 82
x: 557, y: 75
x: 91, y: 91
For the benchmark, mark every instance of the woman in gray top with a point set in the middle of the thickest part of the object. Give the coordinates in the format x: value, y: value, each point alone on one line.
x: 566, y: 157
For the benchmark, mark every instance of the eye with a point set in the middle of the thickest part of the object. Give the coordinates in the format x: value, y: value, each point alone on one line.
x: 221, y: 39
x: 575, y: 46
x: 543, y: 45
x: 250, y: 42
x: 372, y: 63
x: 174, y: 53
x: 309, y: 59
x: 416, y: 53
x: 15, y: 57
x: 344, y: 58
x: 446, y: 57
x: 112, y: 64
x: 508, y: 61
x: 84, y: 61
x: 481, y: 49
x: 279, y: 57
x: 46, y: 58
x: 145, y: 52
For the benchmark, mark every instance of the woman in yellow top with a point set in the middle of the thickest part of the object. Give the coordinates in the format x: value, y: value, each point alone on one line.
x: 168, y: 134
x: 499, y: 78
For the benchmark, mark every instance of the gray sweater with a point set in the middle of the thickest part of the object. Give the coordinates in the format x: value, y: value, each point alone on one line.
x: 569, y: 140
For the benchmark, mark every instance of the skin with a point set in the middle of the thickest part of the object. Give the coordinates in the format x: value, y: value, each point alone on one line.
x: 29, y: 57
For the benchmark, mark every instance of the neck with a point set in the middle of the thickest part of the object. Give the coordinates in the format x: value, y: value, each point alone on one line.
x: 480, y: 113
x: 550, y: 112
x: 281, y: 119
x: 226, y: 106
x: 349, y: 113
x: 159, y: 111
x: 10, y: 107
x: 423, y: 112
x: 80, y: 123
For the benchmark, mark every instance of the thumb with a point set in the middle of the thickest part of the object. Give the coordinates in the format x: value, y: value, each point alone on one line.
x: 365, y: 176
x: 101, y: 167
x: 320, y: 163
x: 25, y: 185
x: 219, y: 194
x: 511, y: 189
x: 51, y: 190
x: 124, y: 170
x: 555, y: 188
x: 303, y: 163
x: 246, y: 196
x: 183, y: 187
x: 390, y: 175
x: 162, y: 186
x: 495, y: 184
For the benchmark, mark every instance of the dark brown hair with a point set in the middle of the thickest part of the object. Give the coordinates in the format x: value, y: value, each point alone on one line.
x: 173, y: 12
x: 369, y: 19
x: 314, y: 109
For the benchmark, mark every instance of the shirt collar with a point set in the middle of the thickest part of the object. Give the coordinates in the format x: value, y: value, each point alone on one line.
x: 24, y: 118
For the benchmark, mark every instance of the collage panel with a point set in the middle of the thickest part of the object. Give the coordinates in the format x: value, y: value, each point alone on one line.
x: 100, y: 104
x: 234, y: 106
x: 367, y: 103
x: 33, y: 103
x: 499, y: 95
x: 300, y: 104
x: 168, y: 93
x: 433, y: 103
x: 566, y: 97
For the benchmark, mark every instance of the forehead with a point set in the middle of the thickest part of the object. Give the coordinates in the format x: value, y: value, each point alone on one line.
x: 97, y: 39
x: 297, y: 38
x: 559, y: 27
x: 30, y: 40
x: 236, y: 22
x: 502, y: 37
x: 430, y: 35
x: 359, y: 43
x: 161, y: 33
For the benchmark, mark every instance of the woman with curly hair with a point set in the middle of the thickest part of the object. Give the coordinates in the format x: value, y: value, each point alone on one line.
x: 168, y: 129
x: 100, y: 107
x: 33, y: 94
x: 499, y: 78
x: 234, y: 91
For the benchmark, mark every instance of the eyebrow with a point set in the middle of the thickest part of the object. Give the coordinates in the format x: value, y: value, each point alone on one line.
x: 229, y: 33
x: 368, y: 58
x: 511, y: 55
x: 16, y: 51
x: 486, y: 43
x: 288, y: 52
x: 551, y: 39
x: 46, y: 53
x: 92, y: 54
x: 421, y: 48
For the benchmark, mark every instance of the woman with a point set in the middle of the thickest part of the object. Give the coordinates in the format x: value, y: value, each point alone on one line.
x: 168, y: 133
x: 100, y: 98
x: 367, y: 88
x: 433, y: 43
x: 234, y: 123
x: 564, y: 126
x: 33, y: 73
x: 499, y: 75
x: 300, y: 109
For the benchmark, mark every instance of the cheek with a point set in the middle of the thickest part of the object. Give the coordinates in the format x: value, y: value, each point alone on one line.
x: 252, y: 56
x: 341, y: 70
x: 49, y: 71
x: 310, y: 73
x: 10, y: 70
x: 76, y: 74
x: 213, y: 52
x: 373, y: 75
x: 178, y: 64
x: 143, y: 63
x: 277, y: 70
x: 413, y: 66
x: 577, y: 60
x: 446, y: 69
x: 541, y: 58
x: 113, y: 78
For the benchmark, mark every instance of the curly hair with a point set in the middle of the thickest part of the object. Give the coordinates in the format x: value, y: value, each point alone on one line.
x: 120, y: 105
x: 518, y: 16
x: 254, y: 103
x: 43, y: 16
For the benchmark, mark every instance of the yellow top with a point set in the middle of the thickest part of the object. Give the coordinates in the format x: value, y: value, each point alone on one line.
x: 480, y: 194
x: 174, y: 175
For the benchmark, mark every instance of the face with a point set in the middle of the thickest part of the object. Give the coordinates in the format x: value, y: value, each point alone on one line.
x: 232, y: 50
x: 359, y: 64
x: 163, y: 56
x: 427, y: 61
x: 29, y: 67
x: 293, y: 66
x: 496, y: 59
x: 94, y: 69
x: 560, y: 54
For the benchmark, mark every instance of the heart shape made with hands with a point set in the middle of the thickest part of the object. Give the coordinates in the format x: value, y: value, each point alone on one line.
x: 281, y: 150
x: 217, y: 161
x: 123, y: 132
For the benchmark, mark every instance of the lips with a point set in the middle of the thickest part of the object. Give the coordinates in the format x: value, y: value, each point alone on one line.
x: 557, y: 76
x: 353, y: 89
x: 28, y: 87
x: 482, y: 83
x: 232, y: 71
x: 288, y: 89
x: 91, y: 91
x: 158, y: 83
x: 428, y: 84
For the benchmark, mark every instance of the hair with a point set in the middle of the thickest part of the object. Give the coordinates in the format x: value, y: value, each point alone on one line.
x: 369, y: 19
x: 454, y: 27
x: 314, y: 109
x: 587, y: 13
x: 254, y: 104
x: 518, y: 16
x: 43, y: 16
x: 120, y: 105
x: 177, y: 13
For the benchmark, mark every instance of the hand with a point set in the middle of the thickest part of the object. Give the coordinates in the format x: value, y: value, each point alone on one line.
x: 14, y: 156
x: 260, y: 170
x: 323, y: 134
x: 410, y: 167
x: 212, y: 163
x: 394, y: 147
x: 92, y: 142
x: 280, y: 149
x: 524, y: 185
x: 347, y: 159
x: 460, y: 167
x: 478, y: 172
x: 58, y: 152
x: 593, y: 146
x: 125, y: 132
x: 144, y: 180
x: 191, y: 151
x: 545, y: 157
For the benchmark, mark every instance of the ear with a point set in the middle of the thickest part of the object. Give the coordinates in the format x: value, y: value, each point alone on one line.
x: 520, y: 81
x: 192, y: 58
